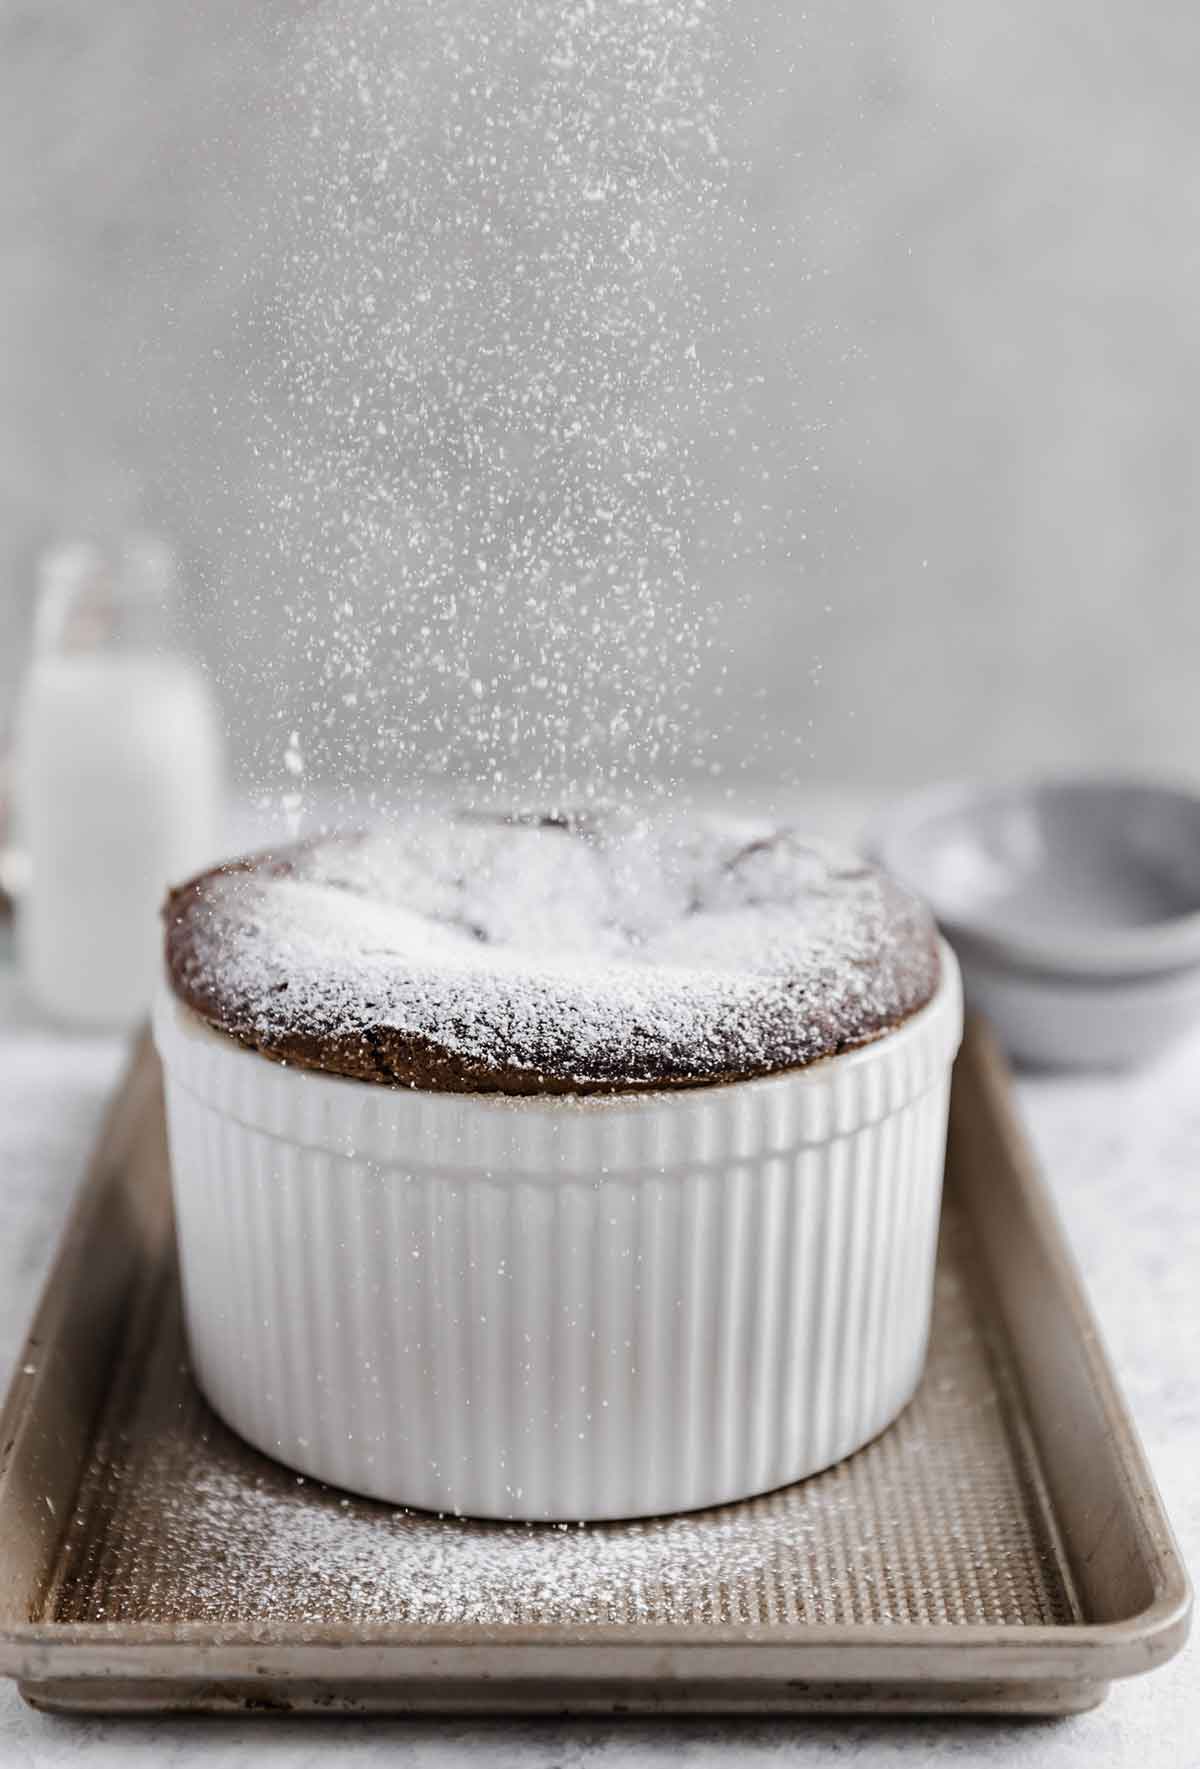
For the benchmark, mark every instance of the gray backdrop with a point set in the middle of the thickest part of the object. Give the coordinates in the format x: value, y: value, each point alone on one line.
x: 981, y: 338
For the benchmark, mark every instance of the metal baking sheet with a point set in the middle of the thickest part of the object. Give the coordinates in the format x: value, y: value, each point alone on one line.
x: 1000, y: 1549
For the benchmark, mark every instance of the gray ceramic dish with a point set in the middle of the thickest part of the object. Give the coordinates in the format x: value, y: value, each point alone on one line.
x: 1073, y: 904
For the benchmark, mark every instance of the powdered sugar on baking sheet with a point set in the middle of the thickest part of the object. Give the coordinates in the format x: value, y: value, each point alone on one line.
x: 613, y: 951
x: 445, y: 1572
x: 940, y: 1520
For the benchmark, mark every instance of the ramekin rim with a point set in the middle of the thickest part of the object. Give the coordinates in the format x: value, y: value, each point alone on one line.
x: 171, y: 1016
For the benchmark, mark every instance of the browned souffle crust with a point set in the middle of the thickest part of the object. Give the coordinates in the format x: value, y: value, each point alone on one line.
x: 524, y: 954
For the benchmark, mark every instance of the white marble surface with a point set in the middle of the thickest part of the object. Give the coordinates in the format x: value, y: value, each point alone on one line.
x: 1122, y: 1156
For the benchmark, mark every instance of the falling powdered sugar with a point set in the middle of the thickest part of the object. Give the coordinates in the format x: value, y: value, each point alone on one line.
x: 495, y: 403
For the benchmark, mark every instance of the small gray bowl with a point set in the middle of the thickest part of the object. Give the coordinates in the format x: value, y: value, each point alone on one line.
x: 1073, y: 905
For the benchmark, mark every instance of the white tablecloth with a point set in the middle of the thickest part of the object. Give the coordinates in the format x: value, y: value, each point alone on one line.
x: 1123, y: 1159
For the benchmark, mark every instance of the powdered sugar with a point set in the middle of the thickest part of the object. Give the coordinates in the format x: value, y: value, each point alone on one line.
x: 614, y: 952
x: 506, y: 455
x: 938, y: 1521
x: 444, y: 1572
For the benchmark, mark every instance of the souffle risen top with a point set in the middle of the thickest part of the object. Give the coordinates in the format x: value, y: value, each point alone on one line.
x: 521, y: 954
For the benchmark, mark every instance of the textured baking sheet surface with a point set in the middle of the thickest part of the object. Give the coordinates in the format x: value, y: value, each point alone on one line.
x: 942, y: 1519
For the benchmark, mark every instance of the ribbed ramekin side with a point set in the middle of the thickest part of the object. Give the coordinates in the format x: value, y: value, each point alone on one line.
x: 609, y: 1346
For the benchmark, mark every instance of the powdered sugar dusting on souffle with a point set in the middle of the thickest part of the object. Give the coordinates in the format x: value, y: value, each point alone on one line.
x: 473, y: 952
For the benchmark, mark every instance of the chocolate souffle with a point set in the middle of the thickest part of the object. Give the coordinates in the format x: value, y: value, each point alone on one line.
x: 599, y: 954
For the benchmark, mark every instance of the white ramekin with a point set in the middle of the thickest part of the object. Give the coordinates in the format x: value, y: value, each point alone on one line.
x: 559, y: 1307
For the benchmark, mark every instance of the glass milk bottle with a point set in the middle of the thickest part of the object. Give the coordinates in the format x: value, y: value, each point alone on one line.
x: 118, y: 779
